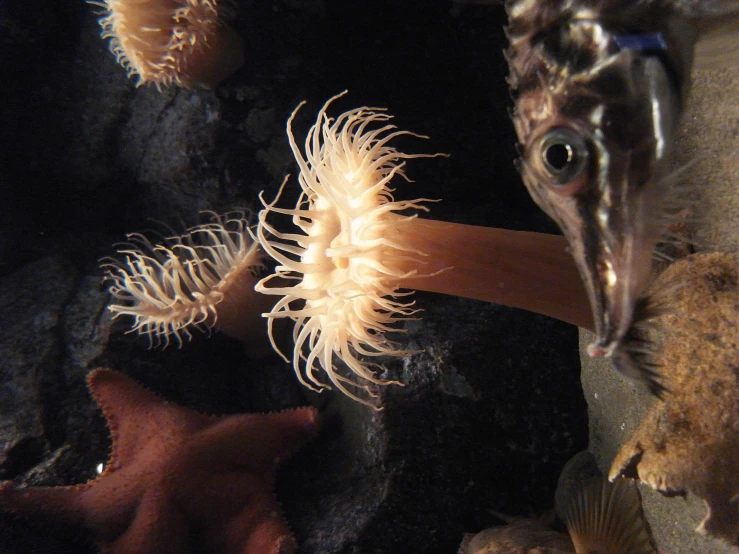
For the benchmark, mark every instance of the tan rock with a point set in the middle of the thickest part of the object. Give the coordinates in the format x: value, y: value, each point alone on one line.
x: 689, y: 442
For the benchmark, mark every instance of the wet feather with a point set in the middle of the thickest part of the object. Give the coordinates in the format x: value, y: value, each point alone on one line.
x: 599, y: 88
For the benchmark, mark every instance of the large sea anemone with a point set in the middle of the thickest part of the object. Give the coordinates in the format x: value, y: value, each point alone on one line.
x: 358, y: 250
x: 166, y: 42
x: 348, y: 253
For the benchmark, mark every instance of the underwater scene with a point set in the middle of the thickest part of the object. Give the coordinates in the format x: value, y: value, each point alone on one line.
x: 322, y: 277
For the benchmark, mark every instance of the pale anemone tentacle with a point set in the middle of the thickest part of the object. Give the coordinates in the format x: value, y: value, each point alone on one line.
x: 347, y: 264
x: 170, y: 287
x: 171, y: 42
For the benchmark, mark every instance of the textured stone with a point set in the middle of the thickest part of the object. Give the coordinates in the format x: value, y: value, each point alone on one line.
x: 32, y: 300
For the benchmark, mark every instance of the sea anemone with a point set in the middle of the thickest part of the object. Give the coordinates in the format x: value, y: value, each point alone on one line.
x: 357, y: 255
x: 356, y: 252
x: 204, y: 278
x: 166, y: 42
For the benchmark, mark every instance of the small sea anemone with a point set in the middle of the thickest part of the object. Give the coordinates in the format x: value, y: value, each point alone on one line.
x: 166, y: 42
x: 203, y: 278
x: 356, y: 253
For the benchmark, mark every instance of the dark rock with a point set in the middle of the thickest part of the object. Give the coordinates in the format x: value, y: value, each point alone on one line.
x: 31, y: 303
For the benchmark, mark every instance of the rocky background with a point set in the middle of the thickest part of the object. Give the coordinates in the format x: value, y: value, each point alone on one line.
x: 492, y: 407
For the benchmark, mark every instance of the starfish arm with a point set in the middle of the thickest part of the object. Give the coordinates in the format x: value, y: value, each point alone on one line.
x: 65, y: 503
x: 105, y: 507
x: 157, y: 526
x: 236, y: 510
x: 111, y: 502
x: 118, y: 393
x: 137, y: 417
x: 256, y: 441
x: 260, y: 530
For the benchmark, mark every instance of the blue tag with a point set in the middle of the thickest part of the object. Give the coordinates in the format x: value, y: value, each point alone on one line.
x: 653, y: 41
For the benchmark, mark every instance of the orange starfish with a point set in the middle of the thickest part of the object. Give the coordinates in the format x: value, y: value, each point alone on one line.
x: 177, y: 481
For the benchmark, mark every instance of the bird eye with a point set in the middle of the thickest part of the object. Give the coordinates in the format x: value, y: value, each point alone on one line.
x: 564, y: 157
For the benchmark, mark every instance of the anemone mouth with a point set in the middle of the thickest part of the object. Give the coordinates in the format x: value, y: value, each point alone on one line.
x: 170, y: 287
x: 344, y: 261
x: 164, y: 41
